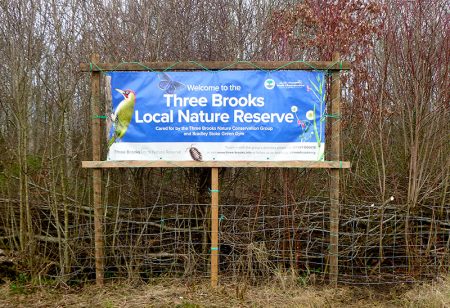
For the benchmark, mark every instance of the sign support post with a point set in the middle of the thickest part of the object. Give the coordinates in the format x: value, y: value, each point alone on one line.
x: 97, y: 174
x: 334, y: 180
x: 214, y: 226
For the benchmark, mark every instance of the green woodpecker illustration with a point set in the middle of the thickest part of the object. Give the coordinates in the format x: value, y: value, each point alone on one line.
x: 123, y: 114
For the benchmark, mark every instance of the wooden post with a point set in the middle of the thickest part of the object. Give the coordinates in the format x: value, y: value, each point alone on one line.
x: 97, y: 173
x: 334, y: 181
x: 214, y: 226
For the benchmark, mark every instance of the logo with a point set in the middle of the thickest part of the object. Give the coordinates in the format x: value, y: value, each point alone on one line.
x: 269, y: 84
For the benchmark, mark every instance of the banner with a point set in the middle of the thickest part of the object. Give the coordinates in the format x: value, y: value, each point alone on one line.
x: 217, y: 115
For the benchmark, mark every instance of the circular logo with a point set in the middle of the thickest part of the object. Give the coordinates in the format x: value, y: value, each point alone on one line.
x: 269, y: 84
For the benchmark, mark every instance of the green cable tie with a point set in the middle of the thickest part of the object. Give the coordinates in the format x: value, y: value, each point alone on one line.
x: 200, y: 65
x: 134, y: 62
x: 170, y: 66
x: 214, y: 190
x: 100, y: 117
x: 242, y: 61
x: 334, y: 116
x: 292, y: 62
x: 228, y: 66
x: 221, y: 218
x: 340, y: 164
x: 92, y: 65
x: 214, y: 248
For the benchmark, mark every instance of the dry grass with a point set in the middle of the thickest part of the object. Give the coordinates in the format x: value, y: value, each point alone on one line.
x: 176, y: 294
x: 436, y: 294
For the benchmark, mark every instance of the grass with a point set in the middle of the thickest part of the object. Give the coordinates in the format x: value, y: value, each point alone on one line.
x: 177, y: 294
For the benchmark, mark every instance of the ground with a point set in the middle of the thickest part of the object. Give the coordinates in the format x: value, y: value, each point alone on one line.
x: 177, y: 294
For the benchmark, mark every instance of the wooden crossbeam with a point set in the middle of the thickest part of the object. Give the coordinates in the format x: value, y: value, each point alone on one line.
x: 216, y: 164
x: 216, y: 65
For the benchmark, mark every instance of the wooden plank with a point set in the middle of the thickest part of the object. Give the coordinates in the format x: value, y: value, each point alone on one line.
x: 214, y: 227
x: 216, y: 65
x: 335, y: 177
x: 208, y: 164
x: 97, y: 175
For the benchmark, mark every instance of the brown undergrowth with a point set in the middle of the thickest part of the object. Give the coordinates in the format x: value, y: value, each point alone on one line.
x: 178, y: 294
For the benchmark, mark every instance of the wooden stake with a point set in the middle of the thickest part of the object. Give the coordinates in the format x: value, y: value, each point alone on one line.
x: 334, y: 181
x: 214, y: 227
x: 97, y: 174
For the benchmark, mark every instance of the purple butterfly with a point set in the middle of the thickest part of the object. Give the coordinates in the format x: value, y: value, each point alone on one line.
x: 168, y: 85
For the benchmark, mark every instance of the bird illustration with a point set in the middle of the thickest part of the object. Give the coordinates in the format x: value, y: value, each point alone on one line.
x: 123, y: 114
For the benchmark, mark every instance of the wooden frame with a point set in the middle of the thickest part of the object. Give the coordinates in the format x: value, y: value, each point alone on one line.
x: 216, y: 65
x: 334, y: 163
x: 216, y: 164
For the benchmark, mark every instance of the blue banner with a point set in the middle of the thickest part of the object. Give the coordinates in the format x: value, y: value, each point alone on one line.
x: 218, y: 107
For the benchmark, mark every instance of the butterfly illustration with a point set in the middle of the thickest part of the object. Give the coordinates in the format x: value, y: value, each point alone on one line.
x: 168, y: 85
